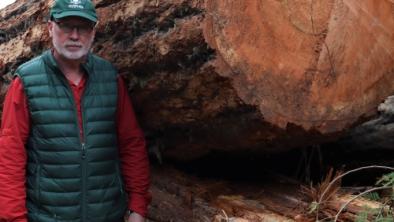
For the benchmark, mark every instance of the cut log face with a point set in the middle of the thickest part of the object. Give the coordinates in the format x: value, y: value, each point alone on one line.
x: 318, y: 64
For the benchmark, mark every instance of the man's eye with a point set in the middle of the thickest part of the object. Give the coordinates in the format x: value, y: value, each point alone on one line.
x: 65, y: 26
x: 84, y: 27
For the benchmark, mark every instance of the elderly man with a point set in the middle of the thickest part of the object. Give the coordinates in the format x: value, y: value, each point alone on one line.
x: 71, y: 149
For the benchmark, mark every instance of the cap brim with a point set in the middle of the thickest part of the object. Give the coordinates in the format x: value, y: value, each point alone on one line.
x: 75, y: 13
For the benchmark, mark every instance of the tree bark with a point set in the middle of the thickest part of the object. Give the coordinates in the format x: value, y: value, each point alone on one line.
x: 211, y: 75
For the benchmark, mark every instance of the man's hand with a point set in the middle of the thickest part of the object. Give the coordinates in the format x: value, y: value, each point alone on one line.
x: 134, y: 217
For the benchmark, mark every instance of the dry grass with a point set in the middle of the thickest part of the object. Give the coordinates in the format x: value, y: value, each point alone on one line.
x: 321, y: 194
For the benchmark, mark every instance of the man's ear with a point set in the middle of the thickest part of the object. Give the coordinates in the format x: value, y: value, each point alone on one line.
x: 50, y: 28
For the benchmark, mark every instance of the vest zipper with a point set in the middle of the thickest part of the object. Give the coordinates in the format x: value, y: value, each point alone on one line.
x: 83, y: 166
x: 84, y: 174
x: 83, y: 150
x: 83, y: 146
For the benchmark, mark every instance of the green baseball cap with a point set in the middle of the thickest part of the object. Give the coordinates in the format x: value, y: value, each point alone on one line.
x: 80, y: 8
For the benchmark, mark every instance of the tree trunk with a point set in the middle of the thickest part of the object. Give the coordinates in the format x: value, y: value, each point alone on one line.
x: 233, y: 75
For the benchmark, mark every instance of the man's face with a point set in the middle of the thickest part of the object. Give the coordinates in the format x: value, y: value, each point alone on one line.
x: 72, y: 37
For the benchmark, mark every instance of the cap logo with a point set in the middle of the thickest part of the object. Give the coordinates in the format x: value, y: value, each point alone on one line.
x: 75, y: 4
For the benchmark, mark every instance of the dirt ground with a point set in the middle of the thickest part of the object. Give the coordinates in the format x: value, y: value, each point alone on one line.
x: 279, y: 187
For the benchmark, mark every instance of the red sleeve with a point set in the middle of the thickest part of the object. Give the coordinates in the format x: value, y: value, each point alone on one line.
x: 133, y: 154
x: 15, y: 127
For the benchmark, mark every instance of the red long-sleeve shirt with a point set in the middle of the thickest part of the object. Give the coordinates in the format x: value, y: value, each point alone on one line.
x: 15, y: 129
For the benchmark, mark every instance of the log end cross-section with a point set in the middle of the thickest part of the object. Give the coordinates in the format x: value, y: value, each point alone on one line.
x: 318, y: 64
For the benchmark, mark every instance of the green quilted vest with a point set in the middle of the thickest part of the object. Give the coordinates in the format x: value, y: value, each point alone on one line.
x: 70, y: 178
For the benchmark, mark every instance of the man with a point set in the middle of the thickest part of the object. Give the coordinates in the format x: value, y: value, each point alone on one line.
x: 71, y: 149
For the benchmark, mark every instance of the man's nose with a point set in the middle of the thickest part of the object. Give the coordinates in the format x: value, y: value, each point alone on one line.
x: 74, y: 33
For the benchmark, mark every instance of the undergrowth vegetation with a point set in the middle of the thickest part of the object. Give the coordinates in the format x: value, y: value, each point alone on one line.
x: 327, y: 192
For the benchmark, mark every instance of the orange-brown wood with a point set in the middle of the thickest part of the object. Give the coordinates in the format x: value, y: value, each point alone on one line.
x: 320, y: 64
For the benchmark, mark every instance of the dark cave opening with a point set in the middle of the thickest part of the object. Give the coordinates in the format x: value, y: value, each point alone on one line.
x: 307, y: 165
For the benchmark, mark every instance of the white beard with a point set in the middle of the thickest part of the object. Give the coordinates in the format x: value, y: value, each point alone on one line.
x: 76, y: 55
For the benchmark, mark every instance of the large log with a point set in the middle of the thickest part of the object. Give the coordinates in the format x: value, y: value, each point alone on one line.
x: 252, y: 75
